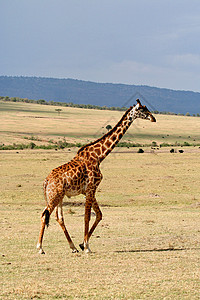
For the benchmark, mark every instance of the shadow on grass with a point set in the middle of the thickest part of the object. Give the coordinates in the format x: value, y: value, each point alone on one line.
x: 155, y: 250
x: 81, y: 203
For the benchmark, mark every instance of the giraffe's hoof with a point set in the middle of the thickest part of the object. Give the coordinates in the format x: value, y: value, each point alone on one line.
x: 88, y: 251
x: 75, y: 251
x: 81, y: 246
x: 41, y: 251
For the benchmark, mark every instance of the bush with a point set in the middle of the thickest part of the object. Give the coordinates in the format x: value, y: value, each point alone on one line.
x: 140, y: 151
x: 32, y: 145
x: 165, y: 145
x: 154, y: 144
x: 187, y: 144
x: 128, y: 144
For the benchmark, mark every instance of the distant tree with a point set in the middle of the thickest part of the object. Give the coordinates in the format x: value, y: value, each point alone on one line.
x: 108, y: 127
x: 32, y: 145
x: 154, y: 144
x: 41, y: 101
x: 58, y: 110
x: 187, y: 114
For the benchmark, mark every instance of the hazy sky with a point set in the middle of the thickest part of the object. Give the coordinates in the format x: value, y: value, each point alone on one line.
x: 148, y: 42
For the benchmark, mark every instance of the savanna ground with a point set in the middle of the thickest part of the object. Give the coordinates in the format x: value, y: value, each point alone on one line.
x: 146, y: 246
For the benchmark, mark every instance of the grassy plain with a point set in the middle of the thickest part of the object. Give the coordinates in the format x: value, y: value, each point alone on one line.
x: 147, y: 245
x: 21, y: 120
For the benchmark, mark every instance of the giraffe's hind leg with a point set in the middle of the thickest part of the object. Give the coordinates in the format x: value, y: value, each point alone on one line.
x: 45, y: 219
x: 39, y: 244
x: 60, y: 220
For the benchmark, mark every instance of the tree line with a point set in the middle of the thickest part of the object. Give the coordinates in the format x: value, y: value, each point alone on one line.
x: 86, y: 106
x: 63, y: 104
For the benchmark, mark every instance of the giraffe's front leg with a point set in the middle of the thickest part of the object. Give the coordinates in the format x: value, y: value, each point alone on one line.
x: 98, y: 212
x: 85, y: 245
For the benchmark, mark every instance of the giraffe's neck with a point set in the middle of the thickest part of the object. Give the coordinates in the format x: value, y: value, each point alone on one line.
x: 99, y: 149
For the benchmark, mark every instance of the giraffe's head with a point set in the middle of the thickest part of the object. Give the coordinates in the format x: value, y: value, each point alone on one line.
x: 142, y: 112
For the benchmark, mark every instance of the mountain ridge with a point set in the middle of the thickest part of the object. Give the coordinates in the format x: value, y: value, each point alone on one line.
x: 102, y: 94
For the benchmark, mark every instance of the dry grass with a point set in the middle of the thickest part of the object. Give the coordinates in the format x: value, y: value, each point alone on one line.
x: 19, y: 120
x: 146, y: 247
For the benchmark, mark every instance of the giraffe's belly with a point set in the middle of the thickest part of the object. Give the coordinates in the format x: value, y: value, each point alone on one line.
x: 75, y: 187
x: 70, y: 193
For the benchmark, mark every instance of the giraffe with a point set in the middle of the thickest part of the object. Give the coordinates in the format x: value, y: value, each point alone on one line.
x: 82, y: 175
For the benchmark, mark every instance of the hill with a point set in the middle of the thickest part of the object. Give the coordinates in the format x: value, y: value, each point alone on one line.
x: 85, y: 92
x: 41, y: 125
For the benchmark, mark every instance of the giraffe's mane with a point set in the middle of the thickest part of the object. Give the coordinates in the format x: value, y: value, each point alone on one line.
x: 108, y: 133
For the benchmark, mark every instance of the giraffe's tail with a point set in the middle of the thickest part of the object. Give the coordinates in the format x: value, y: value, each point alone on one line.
x: 46, y: 214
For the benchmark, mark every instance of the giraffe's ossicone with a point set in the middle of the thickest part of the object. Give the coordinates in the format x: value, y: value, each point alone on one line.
x: 82, y: 175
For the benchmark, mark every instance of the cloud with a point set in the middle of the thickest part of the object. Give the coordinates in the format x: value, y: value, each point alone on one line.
x: 134, y: 42
x: 184, y: 60
x: 132, y: 72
